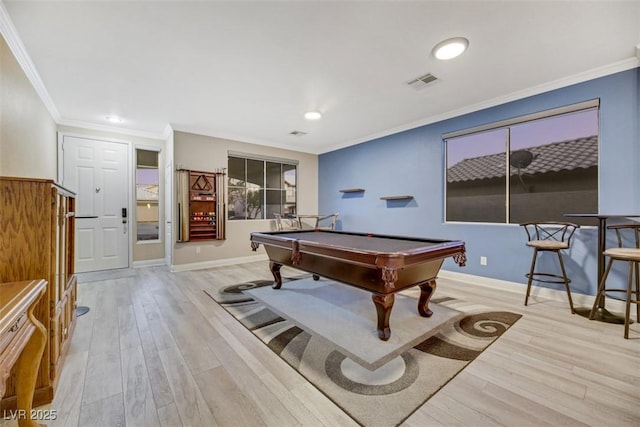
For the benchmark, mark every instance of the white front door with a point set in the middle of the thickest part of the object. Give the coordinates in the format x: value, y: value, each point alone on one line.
x: 98, y: 172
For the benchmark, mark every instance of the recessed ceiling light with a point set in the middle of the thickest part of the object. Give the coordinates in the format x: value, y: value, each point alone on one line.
x: 450, y: 48
x: 113, y: 119
x: 312, y: 115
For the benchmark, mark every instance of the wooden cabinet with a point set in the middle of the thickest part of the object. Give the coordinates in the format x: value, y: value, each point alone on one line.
x: 37, y: 241
x: 200, y: 206
x: 22, y: 341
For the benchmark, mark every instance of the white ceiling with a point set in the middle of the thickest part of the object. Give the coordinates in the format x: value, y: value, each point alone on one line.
x: 249, y: 70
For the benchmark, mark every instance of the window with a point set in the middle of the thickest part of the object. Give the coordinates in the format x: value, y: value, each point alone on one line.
x: 147, y: 191
x: 532, y: 168
x: 260, y: 188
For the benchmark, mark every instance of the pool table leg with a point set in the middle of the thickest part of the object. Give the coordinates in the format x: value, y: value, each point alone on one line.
x: 384, y: 304
x: 426, y: 292
x: 275, y: 270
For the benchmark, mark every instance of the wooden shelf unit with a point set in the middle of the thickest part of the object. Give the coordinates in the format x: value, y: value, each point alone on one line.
x: 37, y: 225
x: 202, y: 206
x: 352, y: 190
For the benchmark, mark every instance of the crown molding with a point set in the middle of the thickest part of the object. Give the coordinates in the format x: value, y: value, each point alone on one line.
x: 606, y: 70
x: 197, y: 130
x: 168, y: 131
x: 24, y: 60
x: 9, y: 32
x: 111, y: 129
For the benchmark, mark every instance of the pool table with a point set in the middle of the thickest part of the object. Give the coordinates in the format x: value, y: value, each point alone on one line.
x: 380, y: 264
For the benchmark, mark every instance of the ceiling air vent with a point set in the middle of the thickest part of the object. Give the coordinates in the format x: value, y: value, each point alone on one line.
x: 422, y: 81
x: 297, y: 133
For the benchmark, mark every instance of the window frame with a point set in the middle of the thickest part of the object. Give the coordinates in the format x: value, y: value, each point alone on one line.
x: 264, y: 188
x: 593, y: 104
x: 134, y: 217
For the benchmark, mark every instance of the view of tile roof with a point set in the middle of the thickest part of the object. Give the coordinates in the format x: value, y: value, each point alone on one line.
x: 557, y: 156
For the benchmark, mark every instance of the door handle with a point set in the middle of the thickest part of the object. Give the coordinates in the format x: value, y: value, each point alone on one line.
x: 87, y: 217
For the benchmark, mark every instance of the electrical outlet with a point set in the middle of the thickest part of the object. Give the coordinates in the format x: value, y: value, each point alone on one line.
x: 483, y: 260
x: 197, y: 249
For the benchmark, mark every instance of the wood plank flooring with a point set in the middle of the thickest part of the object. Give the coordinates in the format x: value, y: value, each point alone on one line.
x: 154, y: 350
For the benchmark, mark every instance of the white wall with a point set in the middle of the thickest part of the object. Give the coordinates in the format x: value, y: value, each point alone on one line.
x: 27, y: 130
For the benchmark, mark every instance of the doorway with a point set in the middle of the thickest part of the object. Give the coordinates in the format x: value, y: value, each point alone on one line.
x: 98, y: 171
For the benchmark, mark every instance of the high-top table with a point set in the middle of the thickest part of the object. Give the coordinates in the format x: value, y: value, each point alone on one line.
x: 602, y: 314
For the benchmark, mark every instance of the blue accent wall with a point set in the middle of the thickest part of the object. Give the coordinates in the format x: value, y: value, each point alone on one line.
x: 412, y: 163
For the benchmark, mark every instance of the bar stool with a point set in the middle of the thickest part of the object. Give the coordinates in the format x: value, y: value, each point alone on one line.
x: 549, y: 236
x: 285, y: 222
x: 626, y: 254
x: 323, y: 224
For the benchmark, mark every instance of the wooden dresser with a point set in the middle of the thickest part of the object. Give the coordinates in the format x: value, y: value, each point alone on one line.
x: 22, y: 342
x: 37, y: 241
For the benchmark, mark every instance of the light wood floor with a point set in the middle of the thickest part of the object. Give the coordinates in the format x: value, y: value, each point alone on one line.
x: 156, y: 351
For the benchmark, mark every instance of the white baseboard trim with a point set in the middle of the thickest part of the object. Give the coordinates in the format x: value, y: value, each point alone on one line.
x: 579, y: 300
x: 218, y: 263
x: 148, y: 263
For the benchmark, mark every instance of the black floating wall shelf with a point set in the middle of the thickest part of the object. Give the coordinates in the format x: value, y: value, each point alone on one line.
x: 352, y: 190
x: 396, y: 198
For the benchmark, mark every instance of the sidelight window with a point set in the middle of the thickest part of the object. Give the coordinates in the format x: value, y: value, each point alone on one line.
x: 147, y: 195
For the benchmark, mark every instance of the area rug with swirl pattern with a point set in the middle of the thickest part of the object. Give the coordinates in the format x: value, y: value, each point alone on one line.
x: 384, y: 393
